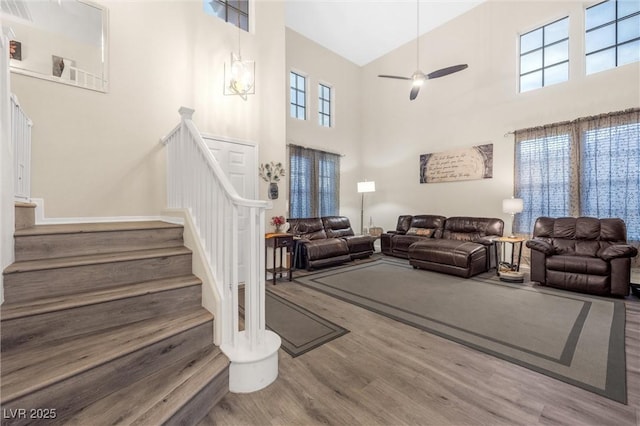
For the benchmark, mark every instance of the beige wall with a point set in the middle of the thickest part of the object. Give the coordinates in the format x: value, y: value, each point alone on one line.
x: 98, y: 154
x: 476, y: 106
x: 323, y: 66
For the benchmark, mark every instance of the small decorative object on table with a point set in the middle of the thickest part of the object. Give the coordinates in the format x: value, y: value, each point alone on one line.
x: 279, y: 222
x: 272, y: 172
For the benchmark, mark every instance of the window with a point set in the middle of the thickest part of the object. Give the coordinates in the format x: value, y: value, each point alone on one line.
x: 235, y: 12
x: 314, y: 186
x: 542, y: 177
x: 612, y: 35
x: 588, y: 167
x: 324, y: 105
x: 544, y: 56
x: 298, y: 95
x: 610, y: 179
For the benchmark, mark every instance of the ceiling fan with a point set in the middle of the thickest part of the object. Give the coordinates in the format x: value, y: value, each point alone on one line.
x: 418, y: 78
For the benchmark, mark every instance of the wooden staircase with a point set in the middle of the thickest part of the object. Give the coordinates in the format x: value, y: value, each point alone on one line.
x: 103, y: 324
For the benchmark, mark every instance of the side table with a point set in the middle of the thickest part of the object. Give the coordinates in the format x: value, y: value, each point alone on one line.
x: 509, y: 271
x: 281, y: 242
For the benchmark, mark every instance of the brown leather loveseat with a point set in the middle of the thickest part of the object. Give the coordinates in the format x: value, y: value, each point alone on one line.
x: 583, y: 254
x: 329, y: 240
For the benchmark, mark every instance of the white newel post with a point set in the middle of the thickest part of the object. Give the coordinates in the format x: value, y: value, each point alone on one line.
x: 195, y: 182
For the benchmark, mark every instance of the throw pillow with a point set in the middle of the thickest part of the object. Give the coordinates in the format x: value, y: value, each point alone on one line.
x: 423, y: 232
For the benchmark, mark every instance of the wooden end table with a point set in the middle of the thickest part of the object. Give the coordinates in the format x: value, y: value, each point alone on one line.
x: 509, y: 271
x: 282, y: 242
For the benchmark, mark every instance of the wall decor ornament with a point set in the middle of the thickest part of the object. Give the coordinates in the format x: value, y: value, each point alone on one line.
x: 457, y: 164
x: 271, y: 173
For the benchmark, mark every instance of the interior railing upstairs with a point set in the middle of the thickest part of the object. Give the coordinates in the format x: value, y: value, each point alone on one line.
x: 196, y: 182
x: 21, y: 140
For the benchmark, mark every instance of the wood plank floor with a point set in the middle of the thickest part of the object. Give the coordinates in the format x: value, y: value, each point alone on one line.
x: 388, y: 373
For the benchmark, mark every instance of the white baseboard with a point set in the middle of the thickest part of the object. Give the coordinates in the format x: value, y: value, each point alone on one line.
x: 41, y: 219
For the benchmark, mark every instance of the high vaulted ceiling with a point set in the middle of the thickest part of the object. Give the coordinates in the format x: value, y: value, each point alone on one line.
x: 363, y: 30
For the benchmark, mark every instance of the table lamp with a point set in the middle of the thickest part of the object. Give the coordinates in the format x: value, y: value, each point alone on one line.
x: 512, y: 206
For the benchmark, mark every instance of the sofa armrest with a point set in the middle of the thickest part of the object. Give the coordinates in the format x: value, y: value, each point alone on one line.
x: 617, y: 251
x: 541, y: 246
x: 487, y: 240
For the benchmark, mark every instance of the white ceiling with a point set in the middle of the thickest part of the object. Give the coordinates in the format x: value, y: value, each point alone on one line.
x: 364, y: 30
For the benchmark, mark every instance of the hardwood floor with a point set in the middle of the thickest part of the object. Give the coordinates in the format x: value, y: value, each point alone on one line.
x: 387, y: 373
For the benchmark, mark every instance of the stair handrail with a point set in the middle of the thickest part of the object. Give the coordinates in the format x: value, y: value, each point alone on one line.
x: 197, y: 183
x: 21, y: 126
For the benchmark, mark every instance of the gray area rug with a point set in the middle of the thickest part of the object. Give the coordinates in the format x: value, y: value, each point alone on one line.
x: 299, y: 329
x: 575, y: 338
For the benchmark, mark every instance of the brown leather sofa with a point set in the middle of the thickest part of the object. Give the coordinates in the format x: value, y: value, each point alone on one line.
x: 456, y: 245
x: 583, y: 254
x: 462, y: 248
x: 329, y: 240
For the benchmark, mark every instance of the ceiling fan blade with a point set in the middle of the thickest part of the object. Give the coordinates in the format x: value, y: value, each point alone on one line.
x: 414, y: 92
x: 394, y: 76
x: 446, y: 71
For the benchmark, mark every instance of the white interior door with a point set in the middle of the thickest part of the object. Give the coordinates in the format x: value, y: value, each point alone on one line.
x: 238, y: 160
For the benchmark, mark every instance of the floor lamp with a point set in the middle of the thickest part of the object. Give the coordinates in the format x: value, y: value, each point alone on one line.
x: 363, y: 187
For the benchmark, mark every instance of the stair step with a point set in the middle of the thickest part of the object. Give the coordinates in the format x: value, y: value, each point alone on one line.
x: 35, y: 322
x: 25, y: 215
x: 72, y: 374
x: 165, y: 396
x: 29, y: 280
x: 54, y: 241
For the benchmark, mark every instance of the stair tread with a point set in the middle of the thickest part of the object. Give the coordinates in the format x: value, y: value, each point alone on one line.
x: 20, y: 310
x: 71, y: 261
x: 29, y: 370
x: 153, y: 399
x: 78, y: 228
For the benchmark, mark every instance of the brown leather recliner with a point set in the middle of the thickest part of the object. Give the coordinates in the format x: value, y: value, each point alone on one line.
x: 583, y: 254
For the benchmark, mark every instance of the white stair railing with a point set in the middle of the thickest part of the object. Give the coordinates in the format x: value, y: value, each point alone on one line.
x: 196, y: 182
x: 21, y: 139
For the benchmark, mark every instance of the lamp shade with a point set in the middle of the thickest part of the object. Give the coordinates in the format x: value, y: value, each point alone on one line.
x: 366, y: 186
x: 512, y: 205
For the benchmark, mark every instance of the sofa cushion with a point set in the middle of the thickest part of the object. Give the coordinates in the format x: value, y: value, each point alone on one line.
x: 308, y: 228
x: 471, y: 228
x: 404, y: 223
x: 578, y: 264
x: 402, y: 242
x: 450, y: 252
x: 337, y: 226
x: 581, y: 228
x: 322, y: 249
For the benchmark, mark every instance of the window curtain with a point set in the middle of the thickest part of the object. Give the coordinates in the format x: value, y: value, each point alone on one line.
x: 610, y: 160
x: 586, y: 167
x: 314, y: 182
x: 545, y: 171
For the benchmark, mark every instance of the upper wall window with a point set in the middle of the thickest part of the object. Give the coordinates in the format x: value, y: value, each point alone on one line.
x: 612, y: 34
x: 235, y: 12
x: 544, y: 56
x: 324, y: 105
x: 298, y: 95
